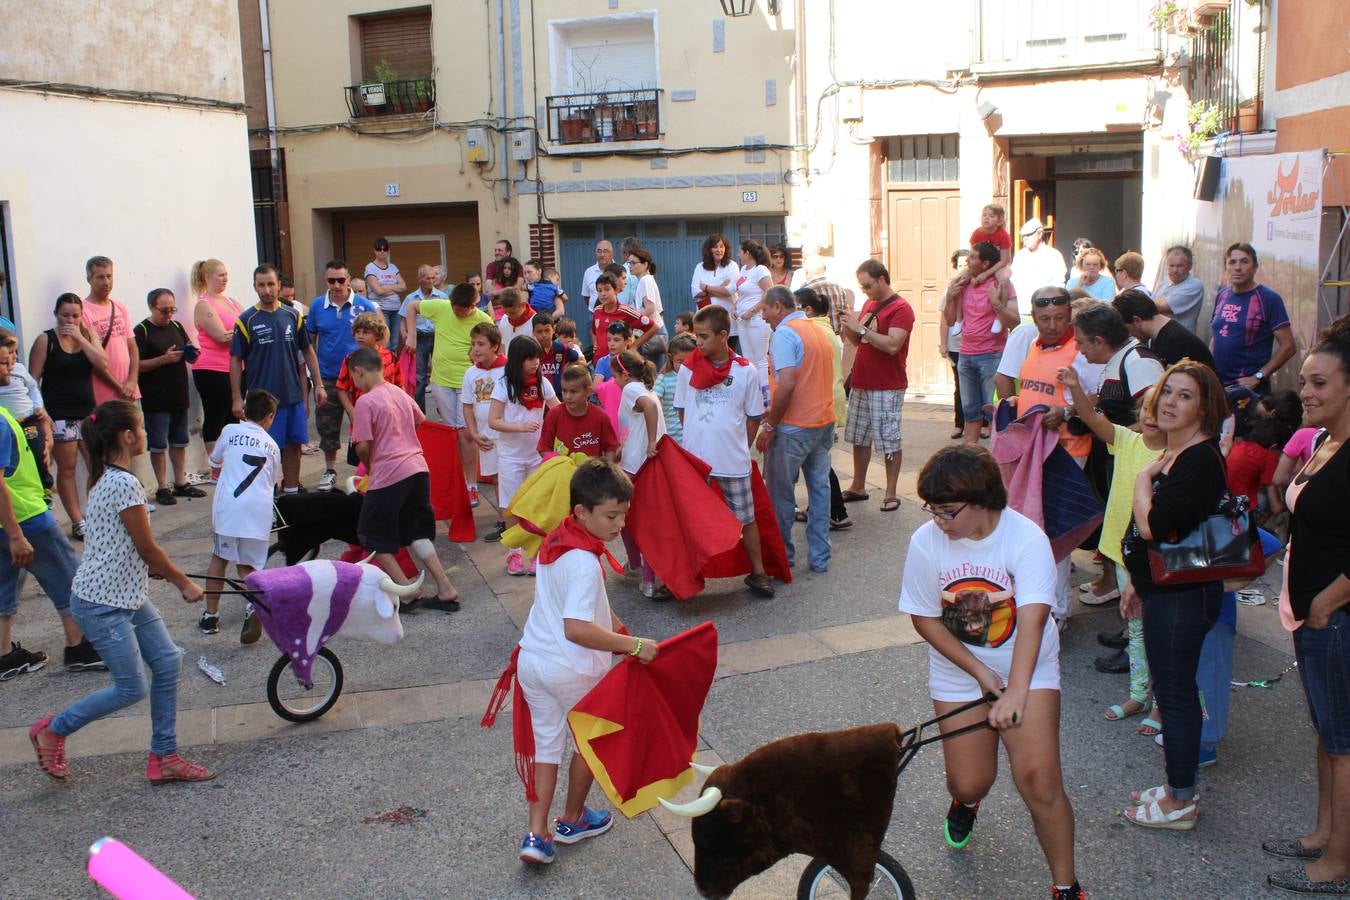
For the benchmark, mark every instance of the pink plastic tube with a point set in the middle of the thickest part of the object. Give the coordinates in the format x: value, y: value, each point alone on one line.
x: 121, y: 872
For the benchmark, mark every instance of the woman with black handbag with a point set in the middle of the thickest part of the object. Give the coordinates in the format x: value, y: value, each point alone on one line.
x: 1173, y: 496
x: 1313, y: 605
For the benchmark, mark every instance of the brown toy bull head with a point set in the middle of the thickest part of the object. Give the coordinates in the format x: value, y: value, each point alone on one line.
x: 825, y: 794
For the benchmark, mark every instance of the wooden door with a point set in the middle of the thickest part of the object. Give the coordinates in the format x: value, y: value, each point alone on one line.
x: 924, y: 228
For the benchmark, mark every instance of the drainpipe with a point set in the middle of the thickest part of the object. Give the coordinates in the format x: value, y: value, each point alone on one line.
x: 504, y: 145
x: 270, y: 91
x: 517, y: 71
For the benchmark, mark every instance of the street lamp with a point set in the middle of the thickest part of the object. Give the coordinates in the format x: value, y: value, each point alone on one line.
x: 738, y: 8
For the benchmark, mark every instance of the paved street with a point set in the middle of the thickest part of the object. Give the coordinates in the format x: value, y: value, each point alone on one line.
x: 285, y: 817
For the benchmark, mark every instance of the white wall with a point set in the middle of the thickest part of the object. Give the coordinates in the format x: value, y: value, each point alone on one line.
x: 155, y: 188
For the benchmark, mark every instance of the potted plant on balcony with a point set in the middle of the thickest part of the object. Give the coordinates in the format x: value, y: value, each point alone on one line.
x: 575, y: 127
x: 644, y: 111
x: 1205, y: 119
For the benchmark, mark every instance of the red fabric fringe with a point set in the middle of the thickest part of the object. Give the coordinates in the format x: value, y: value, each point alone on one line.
x: 522, y: 729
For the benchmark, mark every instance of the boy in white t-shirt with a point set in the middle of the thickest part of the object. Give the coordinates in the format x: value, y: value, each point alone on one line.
x: 249, y: 463
x: 720, y: 404
x: 485, y: 352
x: 569, y: 643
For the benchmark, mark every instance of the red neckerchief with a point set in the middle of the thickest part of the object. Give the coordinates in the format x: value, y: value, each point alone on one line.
x: 531, y: 397
x: 703, y: 374
x: 529, y: 314
x: 572, y: 535
x: 498, y: 362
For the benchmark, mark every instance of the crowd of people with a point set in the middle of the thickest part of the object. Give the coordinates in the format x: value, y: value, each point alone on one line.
x: 1164, y: 426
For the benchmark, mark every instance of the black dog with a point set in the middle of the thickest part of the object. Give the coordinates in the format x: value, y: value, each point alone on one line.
x: 313, y: 518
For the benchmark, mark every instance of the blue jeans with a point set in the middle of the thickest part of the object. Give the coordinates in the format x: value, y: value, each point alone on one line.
x: 392, y: 319
x: 426, y: 344
x: 53, y: 565
x: 805, y: 450
x: 1215, y: 675
x: 125, y: 638
x: 1175, y: 625
x: 976, y: 376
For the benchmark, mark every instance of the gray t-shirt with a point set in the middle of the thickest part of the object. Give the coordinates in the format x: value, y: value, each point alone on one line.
x: 1184, y: 299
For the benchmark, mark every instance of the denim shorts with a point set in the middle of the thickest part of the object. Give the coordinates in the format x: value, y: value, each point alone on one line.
x: 166, y: 429
x: 1323, y: 656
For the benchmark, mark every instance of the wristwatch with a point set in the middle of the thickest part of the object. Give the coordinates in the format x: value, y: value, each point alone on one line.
x: 862, y: 331
x: 1259, y: 375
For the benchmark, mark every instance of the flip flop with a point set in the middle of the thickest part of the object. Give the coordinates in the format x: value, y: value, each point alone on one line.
x: 890, y: 504
x: 1116, y: 711
x: 1152, y: 723
x: 854, y: 496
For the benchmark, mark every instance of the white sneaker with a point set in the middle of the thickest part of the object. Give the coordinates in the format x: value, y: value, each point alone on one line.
x: 1091, y: 598
x: 328, y: 480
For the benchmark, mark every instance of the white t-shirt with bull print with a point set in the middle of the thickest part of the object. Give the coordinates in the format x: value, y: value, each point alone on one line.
x: 977, y: 588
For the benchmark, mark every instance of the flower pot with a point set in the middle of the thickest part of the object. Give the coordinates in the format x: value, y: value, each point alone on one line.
x: 574, y: 129
x: 625, y: 130
x: 646, y: 128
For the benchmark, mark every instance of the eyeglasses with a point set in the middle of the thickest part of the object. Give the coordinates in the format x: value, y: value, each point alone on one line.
x: 1043, y: 302
x: 337, y: 281
x: 948, y: 514
x: 166, y: 309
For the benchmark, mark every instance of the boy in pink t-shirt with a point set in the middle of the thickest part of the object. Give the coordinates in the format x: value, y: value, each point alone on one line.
x: 396, y: 512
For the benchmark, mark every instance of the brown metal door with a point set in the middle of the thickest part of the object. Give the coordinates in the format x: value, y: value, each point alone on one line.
x: 924, y: 228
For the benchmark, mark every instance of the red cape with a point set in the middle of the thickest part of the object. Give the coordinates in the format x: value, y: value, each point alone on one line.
x: 735, y: 561
x: 638, y: 728
x: 673, y: 488
x: 449, y: 495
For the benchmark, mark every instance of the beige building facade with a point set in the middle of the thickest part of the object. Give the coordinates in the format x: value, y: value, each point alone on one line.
x: 450, y: 126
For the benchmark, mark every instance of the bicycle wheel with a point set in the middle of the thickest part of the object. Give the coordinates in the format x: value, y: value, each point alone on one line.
x: 889, y: 880
x: 296, y: 703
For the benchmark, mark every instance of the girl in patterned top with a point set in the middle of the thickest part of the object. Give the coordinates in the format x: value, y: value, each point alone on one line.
x: 680, y: 347
x: 113, y: 609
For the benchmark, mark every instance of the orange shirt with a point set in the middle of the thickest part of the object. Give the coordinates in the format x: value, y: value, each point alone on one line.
x: 812, y: 404
x: 1040, y: 386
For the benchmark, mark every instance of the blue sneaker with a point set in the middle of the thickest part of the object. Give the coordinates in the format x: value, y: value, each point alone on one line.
x: 536, y: 849
x: 590, y: 824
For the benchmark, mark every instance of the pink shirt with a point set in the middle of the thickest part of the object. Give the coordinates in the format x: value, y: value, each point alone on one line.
x: 388, y: 418
x: 1299, y: 447
x: 215, y: 356
x: 978, y: 316
x: 97, y: 319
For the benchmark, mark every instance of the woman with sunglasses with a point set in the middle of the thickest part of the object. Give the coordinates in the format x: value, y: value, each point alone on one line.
x: 979, y: 582
x: 1172, y: 495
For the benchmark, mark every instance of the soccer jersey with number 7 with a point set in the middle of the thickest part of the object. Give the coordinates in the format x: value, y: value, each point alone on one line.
x: 250, y: 464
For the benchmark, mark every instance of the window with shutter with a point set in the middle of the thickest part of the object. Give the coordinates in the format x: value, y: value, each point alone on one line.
x: 401, y: 40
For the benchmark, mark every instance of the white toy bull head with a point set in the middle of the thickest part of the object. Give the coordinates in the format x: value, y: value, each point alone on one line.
x: 304, y: 606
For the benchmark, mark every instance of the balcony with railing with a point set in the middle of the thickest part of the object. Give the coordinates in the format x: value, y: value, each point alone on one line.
x: 597, y: 118
x: 1018, y: 35
x: 391, y: 98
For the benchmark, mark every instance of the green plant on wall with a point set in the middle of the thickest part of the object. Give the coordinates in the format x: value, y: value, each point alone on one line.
x: 385, y: 72
x: 1206, y: 119
x: 1162, y: 12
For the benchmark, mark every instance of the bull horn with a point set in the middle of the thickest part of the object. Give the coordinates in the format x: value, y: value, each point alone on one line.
x: 349, y: 485
x: 391, y: 586
x: 362, y: 562
x: 701, y: 769
x: 710, y: 797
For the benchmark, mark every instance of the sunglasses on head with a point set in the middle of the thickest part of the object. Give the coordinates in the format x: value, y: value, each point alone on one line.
x: 337, y: 281
x: 1058, y: 300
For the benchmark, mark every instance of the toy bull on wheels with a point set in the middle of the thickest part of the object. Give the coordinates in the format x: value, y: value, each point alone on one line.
x: 836, y: 812
x: 303, y: 607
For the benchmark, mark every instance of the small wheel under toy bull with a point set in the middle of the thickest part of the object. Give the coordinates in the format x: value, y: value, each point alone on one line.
x: 820, y: 881
x: 294, y: 702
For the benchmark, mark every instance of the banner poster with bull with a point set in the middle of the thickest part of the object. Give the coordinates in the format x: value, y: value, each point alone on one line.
x: 1273, y: 202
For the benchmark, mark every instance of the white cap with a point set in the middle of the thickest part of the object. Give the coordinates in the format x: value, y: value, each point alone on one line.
x: 1033, y: 225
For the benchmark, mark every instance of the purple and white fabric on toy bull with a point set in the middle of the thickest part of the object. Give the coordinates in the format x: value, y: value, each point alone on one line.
x: 305, y: 605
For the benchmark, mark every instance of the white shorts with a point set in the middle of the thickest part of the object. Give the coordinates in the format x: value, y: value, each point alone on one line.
x: 950, y: 683
x: 511, y: 474
x: 551, y: 691
x: 487, y: 459
x: 448, y: 405
x: 244, y: 551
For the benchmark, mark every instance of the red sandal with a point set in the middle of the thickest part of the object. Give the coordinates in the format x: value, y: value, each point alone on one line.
x: 51, y: 756
x: 172, y: 767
